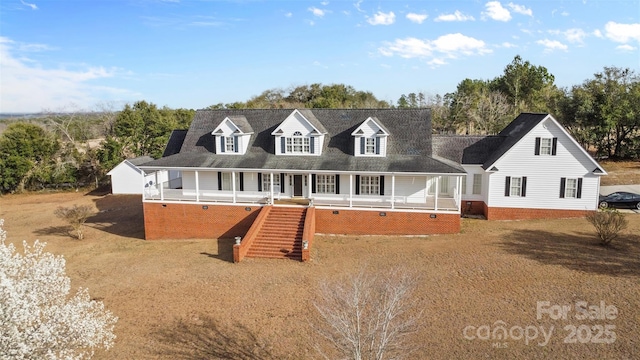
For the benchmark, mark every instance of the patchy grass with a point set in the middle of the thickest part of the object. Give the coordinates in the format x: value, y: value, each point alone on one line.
x: 186, y: 299
x: 621, y: 172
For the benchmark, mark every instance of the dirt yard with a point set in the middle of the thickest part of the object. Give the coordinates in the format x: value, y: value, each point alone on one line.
x: 621, y: 172
x: 186, y: 299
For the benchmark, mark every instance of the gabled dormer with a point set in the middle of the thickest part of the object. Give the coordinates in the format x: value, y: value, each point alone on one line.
x: 231, y: 136
x: 370, y: 138
x: 301, y: 133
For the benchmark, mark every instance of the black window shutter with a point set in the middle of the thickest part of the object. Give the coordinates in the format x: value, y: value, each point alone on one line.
x: 362, y: 145
x: 235, y: 144
x: 219, y: 180
x: 378, y: 146
x: 313, y: 183
x: 259, y: 181
x: 507, y: 186
x: 524, y: 186
x: 283, y: 145
x: 311, y: 145
x: 579, y: 191
x: 563, y: 183
x: 381, y: 185
x: 241, y: 181
x: 537, y: 152
x: 282, y: 187
x: 357, y: 184
x: 337, y: 183
x: 554, y: 145
x: 222, y: 144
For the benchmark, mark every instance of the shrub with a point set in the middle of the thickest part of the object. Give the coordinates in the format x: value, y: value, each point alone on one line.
x: 367, y: 316
x: 76, y: 216
x: 38, y: 319
x: 608, y: 223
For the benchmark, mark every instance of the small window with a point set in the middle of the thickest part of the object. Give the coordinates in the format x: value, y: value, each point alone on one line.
x: 369, y: 185
x: 571, y: 188
x: 370, y: 146
x: 477, y: 184
x: 229, y: 143
x: 464, y: 185
x: 326, y: 184
x: 516, y: 186
x: 545, y: 146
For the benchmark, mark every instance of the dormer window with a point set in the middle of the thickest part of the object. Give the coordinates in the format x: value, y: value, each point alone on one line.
x: 297, y: 144
x: 230, y: 144
x: 370, y: 138
x: 232, y: 135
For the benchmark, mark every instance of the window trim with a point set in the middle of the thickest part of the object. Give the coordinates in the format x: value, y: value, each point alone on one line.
x: 230, y: 144
x: 297, y: 144
x: 325, y: 184
x: 369, y: 183
x: 476, y: 188
x: 546, y: 144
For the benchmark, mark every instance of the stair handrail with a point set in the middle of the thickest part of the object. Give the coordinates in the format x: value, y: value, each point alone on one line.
x: 241, y: 250
x: 308, y: 232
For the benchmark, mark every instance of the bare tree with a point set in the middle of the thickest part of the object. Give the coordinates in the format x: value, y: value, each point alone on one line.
x: 367, y: 315
x: 76, y: 216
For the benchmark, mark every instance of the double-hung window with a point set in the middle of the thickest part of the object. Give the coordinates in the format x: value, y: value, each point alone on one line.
x: 571, y: 188
x: 370, y: 146
x: 369, y: 185
x: 326, y: 184
x: 477, y: 184
x: 545, y: 146
x: 266, y: 182
x: 229, y: 144
x: 226, y: 181
x: 516, y: 186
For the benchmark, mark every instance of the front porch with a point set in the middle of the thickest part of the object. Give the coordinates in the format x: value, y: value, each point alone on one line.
x: 402, y: 192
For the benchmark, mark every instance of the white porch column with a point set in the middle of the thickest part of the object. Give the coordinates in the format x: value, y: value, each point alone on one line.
x: 161, y: 187
x: 309, y: 186
x: 350, y: 190
x: 271, y: 186
x: 233, y: 185
x: 459, y: 192
x: 393, y: 191
x: 435, y: 198
x: 197, y: 186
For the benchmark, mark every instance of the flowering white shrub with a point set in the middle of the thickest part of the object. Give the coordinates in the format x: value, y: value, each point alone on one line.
x: 38, y: 319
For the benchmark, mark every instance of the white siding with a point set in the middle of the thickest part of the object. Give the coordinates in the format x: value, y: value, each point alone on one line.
x: 543, y: 173
x: 472, y: 170
x: 296, y: 122
x: 369, y: 130
x: 410, y: 187
x: 127, y: 179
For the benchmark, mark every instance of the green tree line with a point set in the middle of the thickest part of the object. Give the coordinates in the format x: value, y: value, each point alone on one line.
x: 59, y: 148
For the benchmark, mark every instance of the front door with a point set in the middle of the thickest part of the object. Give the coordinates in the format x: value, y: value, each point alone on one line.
x: 297, y: 185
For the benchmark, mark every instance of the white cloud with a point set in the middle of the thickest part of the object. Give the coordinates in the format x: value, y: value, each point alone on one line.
x: 575, y: 35
x: 381, y: 18
x: 520, y: 9
x: 597, y: 33
x: 622, y: 33
x: 508, y: 45
x: 448, y: 46
x: 324, y: 3
x: 551, y: 45
x: 27, y: 86
x: 32, y: 6
x: 288, y: 14
x: 317, y: 12
x: 625, y: 47
x: 417, y: 18
x: 495, y: 11
x: 456, y: 16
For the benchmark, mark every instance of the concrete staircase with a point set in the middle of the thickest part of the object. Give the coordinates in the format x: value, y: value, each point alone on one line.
x: 280, y: 236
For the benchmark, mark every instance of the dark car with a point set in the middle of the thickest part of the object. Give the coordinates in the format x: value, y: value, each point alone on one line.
x: 620, y: 200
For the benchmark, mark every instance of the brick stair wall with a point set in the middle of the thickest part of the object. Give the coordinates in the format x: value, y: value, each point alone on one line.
x: 281, y: 235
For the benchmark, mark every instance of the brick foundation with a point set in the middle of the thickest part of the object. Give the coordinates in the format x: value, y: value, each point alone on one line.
x: 473, y: 207
x: 500, y: 213
x: 358, y: 222
x: 189, y: 221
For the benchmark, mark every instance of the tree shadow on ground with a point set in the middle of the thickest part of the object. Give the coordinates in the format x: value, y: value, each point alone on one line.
x: 63, y: 231
x: 120, y: 215
x: 577, y: 251
x: 206, y: 338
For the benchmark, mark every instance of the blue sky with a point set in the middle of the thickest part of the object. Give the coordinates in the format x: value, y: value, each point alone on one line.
x: 61, y: 54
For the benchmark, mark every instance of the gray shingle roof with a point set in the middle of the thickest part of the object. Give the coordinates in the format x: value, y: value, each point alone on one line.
x: 137, y: 161
x: 408, y: 149
x: 175, y: 142
x: 515, y: 131
x: 242, y: 123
